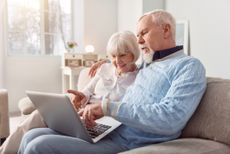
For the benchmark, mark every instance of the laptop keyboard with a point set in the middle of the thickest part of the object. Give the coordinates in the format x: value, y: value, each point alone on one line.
x: 97, y: 130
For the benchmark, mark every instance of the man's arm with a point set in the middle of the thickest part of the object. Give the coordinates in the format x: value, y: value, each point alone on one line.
x: 172, y: 112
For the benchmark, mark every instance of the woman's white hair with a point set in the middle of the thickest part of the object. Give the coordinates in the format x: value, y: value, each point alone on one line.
x: 161, y: 17
x: 123, y: 42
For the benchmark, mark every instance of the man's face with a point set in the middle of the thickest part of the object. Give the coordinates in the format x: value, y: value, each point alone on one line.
x: 150, y: 36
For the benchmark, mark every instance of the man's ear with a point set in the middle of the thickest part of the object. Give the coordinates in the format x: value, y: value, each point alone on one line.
x: 167, y: 30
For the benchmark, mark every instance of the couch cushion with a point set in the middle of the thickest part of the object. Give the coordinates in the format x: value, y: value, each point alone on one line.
x: 183, y: 146
x: 212, y: 117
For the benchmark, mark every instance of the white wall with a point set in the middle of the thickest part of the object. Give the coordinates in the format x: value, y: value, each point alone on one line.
x: 149, y: 5
x: 78, y: 23
x: 1, y: 57
x: 128, y: 13
x: 209, y: 32
x: 1, y: 47
x: 100, y: 22
x: 31, y: 73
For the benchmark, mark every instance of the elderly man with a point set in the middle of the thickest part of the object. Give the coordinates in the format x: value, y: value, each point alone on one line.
x: 154, y: 109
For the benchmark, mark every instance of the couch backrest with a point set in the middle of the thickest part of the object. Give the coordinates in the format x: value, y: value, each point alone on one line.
x: 211, y: 120
x: 84, y: 79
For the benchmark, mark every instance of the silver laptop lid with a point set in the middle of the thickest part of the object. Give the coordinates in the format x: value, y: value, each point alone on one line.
x: 58, y: 106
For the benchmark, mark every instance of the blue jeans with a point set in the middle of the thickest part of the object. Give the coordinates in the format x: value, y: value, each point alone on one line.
x: 45, y: 140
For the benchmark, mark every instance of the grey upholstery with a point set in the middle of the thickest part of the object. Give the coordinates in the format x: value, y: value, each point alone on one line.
x: 212, y: 118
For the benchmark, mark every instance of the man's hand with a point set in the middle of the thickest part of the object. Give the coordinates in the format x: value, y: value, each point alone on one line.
x: 90, y: 113
x: 79, y: 99
x: 95, y: 67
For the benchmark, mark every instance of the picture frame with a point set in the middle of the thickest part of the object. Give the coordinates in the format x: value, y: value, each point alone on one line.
x: 182, y: 35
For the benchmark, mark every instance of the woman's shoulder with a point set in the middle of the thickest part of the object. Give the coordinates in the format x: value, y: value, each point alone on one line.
x: 106, y: 66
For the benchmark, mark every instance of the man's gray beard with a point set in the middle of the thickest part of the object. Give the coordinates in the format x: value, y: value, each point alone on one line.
x: 148, y: 57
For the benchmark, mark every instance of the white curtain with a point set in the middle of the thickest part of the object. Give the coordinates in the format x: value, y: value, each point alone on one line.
x: 2, y: 55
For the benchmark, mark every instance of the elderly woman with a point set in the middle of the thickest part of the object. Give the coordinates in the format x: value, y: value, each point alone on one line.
x: 114, y: 78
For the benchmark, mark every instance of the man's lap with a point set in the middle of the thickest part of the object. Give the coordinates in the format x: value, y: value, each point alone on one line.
x: 45, y: 140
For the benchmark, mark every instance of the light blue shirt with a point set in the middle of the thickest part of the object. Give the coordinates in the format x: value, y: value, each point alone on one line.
x: 157, y: 106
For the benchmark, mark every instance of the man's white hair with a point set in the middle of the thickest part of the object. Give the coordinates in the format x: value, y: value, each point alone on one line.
x: 161, y: 17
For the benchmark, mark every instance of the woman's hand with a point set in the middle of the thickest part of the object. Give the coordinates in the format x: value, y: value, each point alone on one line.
x: 90, y: 113
x: 95, y: 67
x: 79, y: 99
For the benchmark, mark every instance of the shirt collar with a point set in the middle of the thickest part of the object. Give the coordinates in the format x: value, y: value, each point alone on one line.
x: 163, y: 53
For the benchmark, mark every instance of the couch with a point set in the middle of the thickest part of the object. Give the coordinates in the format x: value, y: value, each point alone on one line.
x: 4, y: 115
x: 208, y: 130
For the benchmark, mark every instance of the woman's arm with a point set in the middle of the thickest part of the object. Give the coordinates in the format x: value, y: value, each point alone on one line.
x: 94, y: 68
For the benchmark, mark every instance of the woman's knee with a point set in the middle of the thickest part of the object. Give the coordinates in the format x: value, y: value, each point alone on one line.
x: 32, y: 134
x: 34, y: 147
x: 39, y: 145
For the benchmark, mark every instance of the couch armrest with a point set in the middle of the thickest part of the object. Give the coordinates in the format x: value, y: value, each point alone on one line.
x: 4, y: 114
x: 26, y: 106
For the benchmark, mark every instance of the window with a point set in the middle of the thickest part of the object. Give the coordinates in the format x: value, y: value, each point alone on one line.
x: 38, y: 27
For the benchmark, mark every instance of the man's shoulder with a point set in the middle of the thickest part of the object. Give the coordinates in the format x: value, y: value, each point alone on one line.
x: 183, y: 65
x: 188, y: 60
x: 185, y: 60
x: 189, y: 65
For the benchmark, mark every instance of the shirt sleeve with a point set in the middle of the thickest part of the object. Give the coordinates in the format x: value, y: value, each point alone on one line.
x: 90, y: 87
x: 171, y: 113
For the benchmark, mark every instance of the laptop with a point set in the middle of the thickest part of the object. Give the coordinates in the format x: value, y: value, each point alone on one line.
x: 60, y: 115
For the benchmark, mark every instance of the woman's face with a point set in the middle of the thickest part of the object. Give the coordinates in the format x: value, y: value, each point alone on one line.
x: 123, y: 62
